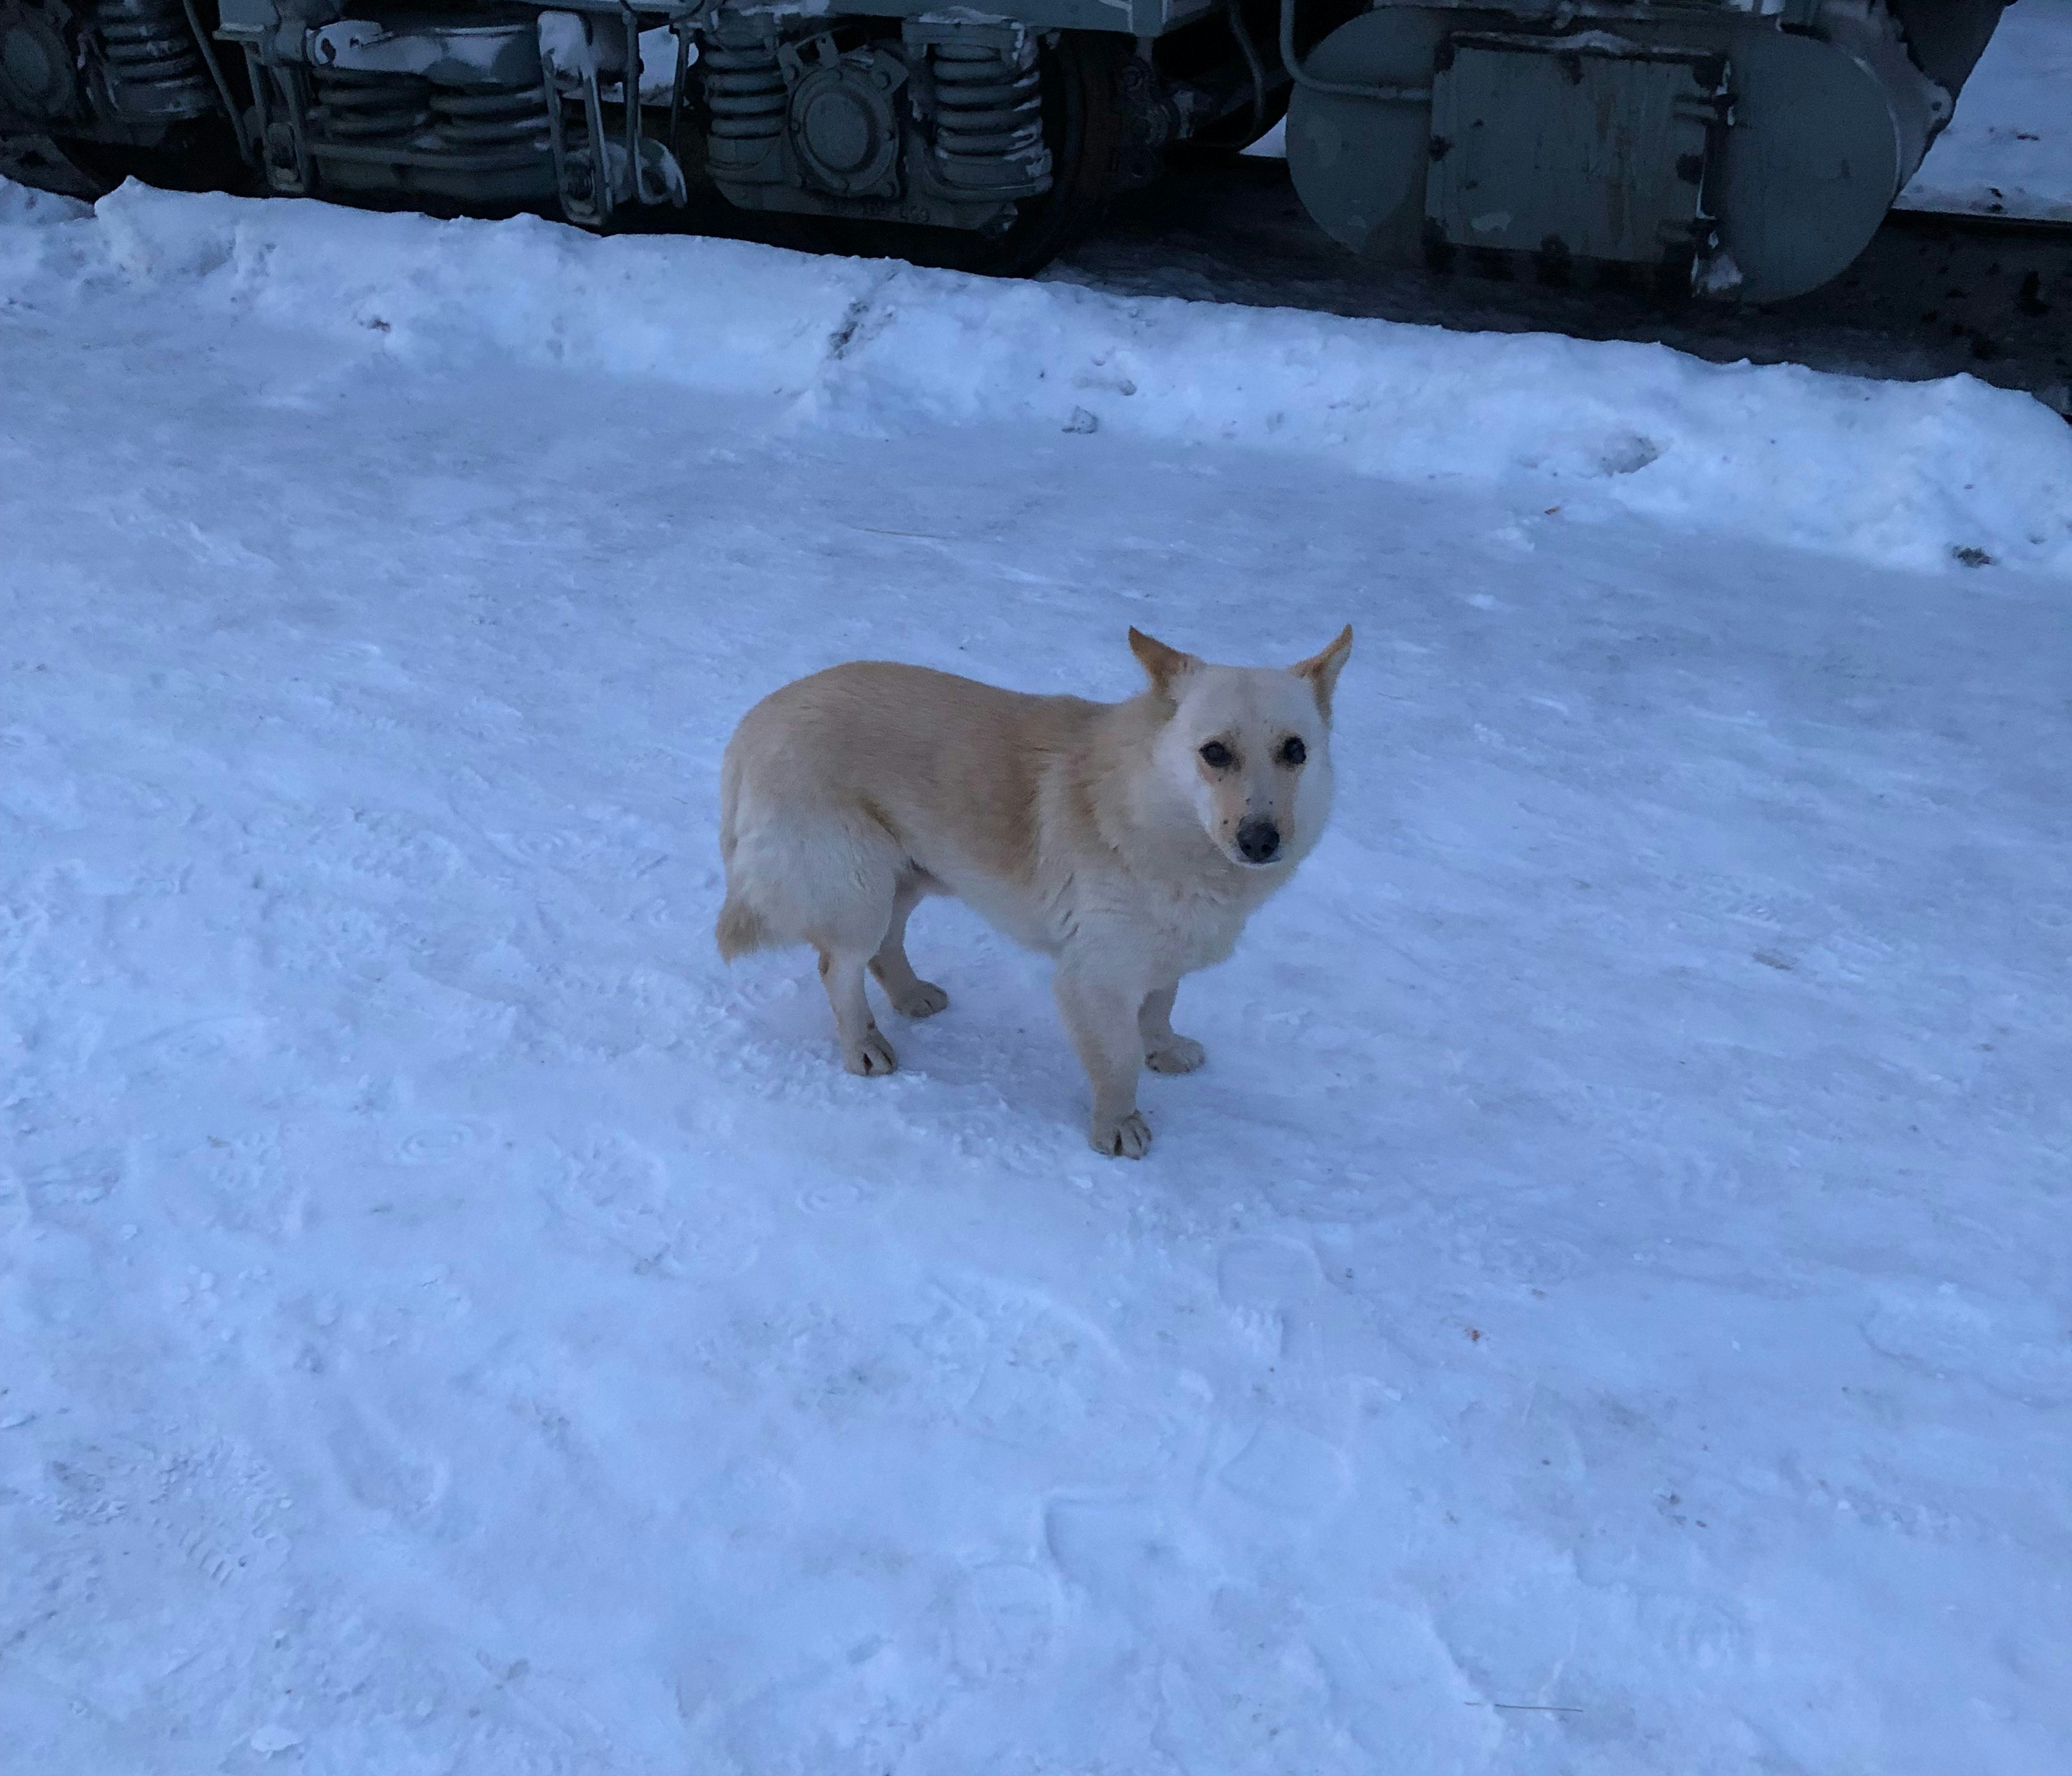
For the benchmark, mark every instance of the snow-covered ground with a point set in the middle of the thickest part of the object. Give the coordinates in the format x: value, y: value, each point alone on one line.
x: 1605, y: 1306
x: 2008, y: 151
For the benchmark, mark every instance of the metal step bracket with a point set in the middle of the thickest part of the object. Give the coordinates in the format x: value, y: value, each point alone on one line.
x: 594, y: 174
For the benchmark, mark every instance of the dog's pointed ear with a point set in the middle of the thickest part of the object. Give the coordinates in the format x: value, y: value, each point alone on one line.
x: 1321, y: 670
x: 1164, y: 666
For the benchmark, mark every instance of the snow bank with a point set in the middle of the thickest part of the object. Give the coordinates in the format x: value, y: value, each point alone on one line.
x: 1915, y: 475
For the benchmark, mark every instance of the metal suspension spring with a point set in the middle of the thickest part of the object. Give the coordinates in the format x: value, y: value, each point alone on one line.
x: 155, y: 66
x: 353, y: 105
x: 744, y: 90
x: 989, y: 101
x: 477, y: 116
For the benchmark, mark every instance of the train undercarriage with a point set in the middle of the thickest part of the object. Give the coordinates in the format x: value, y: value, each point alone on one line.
x: 1734, y: 149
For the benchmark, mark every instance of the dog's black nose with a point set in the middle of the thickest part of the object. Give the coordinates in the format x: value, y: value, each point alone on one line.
x: 1258, y: 839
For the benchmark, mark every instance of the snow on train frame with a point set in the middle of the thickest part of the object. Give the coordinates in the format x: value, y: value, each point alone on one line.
x: 1739, y: 148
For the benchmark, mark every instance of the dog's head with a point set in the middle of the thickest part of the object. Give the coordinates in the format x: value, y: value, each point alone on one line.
x: 1249, y: 746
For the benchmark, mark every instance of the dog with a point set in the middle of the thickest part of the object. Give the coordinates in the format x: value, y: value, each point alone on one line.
x: 1129, y: 841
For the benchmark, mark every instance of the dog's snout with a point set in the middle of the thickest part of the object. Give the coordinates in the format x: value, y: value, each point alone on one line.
x: 1257, y: 841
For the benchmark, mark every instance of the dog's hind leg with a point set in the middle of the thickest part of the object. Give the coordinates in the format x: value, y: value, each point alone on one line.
x: 1102, y: 1019
x: 1164, y: 1052
x: 864, y: 1050
x: 829, y: 877
x: 852, y: 887
x: 911, y: 996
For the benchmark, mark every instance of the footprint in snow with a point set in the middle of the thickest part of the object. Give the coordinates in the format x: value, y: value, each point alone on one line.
x: 623, y: 1192
x: 381, y: 1471
x: 1266, y: 1285
x: 2018, y: 1349
x: 70, y: 1193
x: 1122, y: 1550
x: 1288, y: 1471
x: 1004, y: 1618
x: 439, y: 1143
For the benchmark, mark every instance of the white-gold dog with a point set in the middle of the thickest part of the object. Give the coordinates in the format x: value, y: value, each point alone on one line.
x: 1129, y: 840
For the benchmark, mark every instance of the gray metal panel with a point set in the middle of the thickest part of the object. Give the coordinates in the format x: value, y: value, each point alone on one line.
x: 1593, y: 152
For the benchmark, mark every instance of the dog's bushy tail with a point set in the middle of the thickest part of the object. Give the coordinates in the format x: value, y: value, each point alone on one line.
x: 740, y: 929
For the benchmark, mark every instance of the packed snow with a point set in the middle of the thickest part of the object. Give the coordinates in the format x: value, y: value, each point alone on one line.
x: 1603, y: 1308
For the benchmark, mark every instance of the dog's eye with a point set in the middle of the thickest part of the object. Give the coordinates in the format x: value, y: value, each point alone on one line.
x: 1215, y: 755
x: 1293, y: 751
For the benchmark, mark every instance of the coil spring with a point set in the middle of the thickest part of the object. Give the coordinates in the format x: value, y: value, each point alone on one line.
x: 744, y: 90
x: 356, y: 106
x: 154, y: 67
x: 492, y: 117
x: 988, y: 102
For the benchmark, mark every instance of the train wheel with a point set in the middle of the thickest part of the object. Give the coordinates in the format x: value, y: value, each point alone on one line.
x: 1082, y: 125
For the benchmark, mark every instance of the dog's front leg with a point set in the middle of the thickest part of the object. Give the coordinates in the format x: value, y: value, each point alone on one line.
x: 1101, y: 1016
x: 1165, y: 1052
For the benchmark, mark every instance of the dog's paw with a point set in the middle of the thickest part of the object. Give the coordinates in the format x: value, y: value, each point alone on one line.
x: 924, y: 999
x: 1175, y: 1054
x: 1128, y: 1138
x: 871, y: 1057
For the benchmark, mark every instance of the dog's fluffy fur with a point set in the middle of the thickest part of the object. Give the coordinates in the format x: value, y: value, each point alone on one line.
x: 1129, y: 840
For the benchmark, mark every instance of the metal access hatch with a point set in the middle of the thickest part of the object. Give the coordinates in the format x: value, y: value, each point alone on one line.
x: 1577, y: 152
